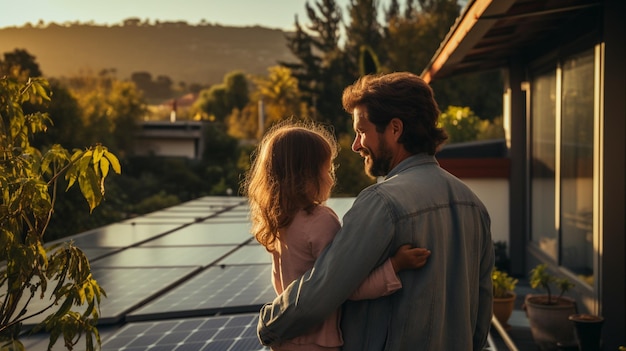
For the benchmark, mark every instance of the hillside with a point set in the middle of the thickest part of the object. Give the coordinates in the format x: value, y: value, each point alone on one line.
x: 184, y: 53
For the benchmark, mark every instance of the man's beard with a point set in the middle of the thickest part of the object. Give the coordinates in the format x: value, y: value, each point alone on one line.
x: 378, y: 164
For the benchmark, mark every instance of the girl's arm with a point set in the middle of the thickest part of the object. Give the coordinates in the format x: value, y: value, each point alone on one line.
x: 383, y: 280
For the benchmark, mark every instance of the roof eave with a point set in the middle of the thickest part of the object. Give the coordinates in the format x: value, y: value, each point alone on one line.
x: 466, y: 32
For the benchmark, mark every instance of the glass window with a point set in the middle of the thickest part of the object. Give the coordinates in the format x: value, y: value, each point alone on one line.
x: 577, y: 132
x: 542, y: 168
x: 562, y: 164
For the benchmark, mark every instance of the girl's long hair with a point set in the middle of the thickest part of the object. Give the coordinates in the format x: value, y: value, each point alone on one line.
x: 285, y: 176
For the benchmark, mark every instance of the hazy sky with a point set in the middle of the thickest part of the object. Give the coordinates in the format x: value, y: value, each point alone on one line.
x: 267, y: 13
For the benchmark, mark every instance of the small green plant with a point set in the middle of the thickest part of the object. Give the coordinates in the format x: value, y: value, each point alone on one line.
x: 541, y: 278
x: 503, y: 284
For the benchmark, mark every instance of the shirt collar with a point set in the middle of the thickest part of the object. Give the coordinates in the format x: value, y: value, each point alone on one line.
x: 412, y: 161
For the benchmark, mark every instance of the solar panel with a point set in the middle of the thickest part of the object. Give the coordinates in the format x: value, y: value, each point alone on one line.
x: 228, y: 289
x: 206, y: 233
x: 39, y: 341
x: 125, y: 288
x: 119, y: 235
x: 167, y: 265
x: 248, y: 254
x: 165, y: 256
x: 95, y: 253
x: 223, y: 333
x: 241, y: 208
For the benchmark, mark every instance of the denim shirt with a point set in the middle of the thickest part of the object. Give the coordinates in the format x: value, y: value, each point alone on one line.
x: 445, y: 305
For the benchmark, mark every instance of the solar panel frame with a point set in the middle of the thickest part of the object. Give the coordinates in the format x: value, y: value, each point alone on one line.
x: 205, y: 233
x: 126, y: 289
x: 247, y: 254
x: 119, y: 235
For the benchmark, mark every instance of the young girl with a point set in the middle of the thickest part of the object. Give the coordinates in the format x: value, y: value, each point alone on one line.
x: 290, y: 179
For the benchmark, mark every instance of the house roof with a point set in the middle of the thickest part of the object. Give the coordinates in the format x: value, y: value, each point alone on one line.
x: 489, y: 33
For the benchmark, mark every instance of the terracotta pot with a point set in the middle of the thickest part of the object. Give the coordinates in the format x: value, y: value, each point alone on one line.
x: 588, y: 329
x: 503, y: 307
x: 549, y: 324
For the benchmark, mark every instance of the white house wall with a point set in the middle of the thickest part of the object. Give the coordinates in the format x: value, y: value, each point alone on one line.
x: 166, y: 147
x: 494, y: 193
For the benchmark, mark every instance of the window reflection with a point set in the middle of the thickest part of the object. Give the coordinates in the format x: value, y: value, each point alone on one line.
x: 577, y: 165
x: 543, y: 186
x: 561, y: 170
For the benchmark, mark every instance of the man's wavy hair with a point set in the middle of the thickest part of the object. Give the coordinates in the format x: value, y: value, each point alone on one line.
x: 401, y: 95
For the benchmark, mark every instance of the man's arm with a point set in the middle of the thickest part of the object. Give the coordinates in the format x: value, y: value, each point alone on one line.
x: 361, y: 244
x: 384, y: 279
x: 485, y: 294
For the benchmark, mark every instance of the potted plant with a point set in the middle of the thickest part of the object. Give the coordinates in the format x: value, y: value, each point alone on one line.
x: 503, y: 296
x: 548, y: 315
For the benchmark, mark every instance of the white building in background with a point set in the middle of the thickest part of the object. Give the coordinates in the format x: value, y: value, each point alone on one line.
x: 172, y: 139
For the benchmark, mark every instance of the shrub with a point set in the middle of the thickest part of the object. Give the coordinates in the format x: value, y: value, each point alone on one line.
x: 59, y: 274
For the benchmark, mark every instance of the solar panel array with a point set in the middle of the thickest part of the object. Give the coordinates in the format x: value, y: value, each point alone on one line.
x: 182, y: 278
x: 189, y: 277
x: 218, y: 333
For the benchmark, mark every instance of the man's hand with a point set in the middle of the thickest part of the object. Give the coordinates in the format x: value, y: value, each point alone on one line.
x: 409, y: 258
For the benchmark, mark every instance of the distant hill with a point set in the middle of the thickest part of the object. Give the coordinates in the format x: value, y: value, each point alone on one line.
x: 185, y: 53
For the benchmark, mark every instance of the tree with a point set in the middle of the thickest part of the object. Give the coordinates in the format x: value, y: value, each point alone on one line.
x: 364, y: 33
x: 143, y: 81
x: 220, y: 157
x: 244, y: 124
x: 412, y: 38
x: 29, y: 180
x: 460, y: 123
x: 154, y: 90
x: 279, y: 97
x: 211, y: 103
x: 68, y: 121
x: 280, y: 94
x: 322, y: 70
x: 481, y: 91
x: 236, y: 89
x: 368, y: 61
x: 218, y: 101
x: 110, y: 109
x: 19, y: 62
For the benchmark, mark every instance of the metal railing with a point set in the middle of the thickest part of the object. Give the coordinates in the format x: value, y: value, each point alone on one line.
x: 503, y: 334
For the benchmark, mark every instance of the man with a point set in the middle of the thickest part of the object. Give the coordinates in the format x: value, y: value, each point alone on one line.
x: 446, y: 305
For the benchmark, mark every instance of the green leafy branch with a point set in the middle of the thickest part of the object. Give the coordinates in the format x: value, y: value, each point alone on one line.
x: 29, y: 270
